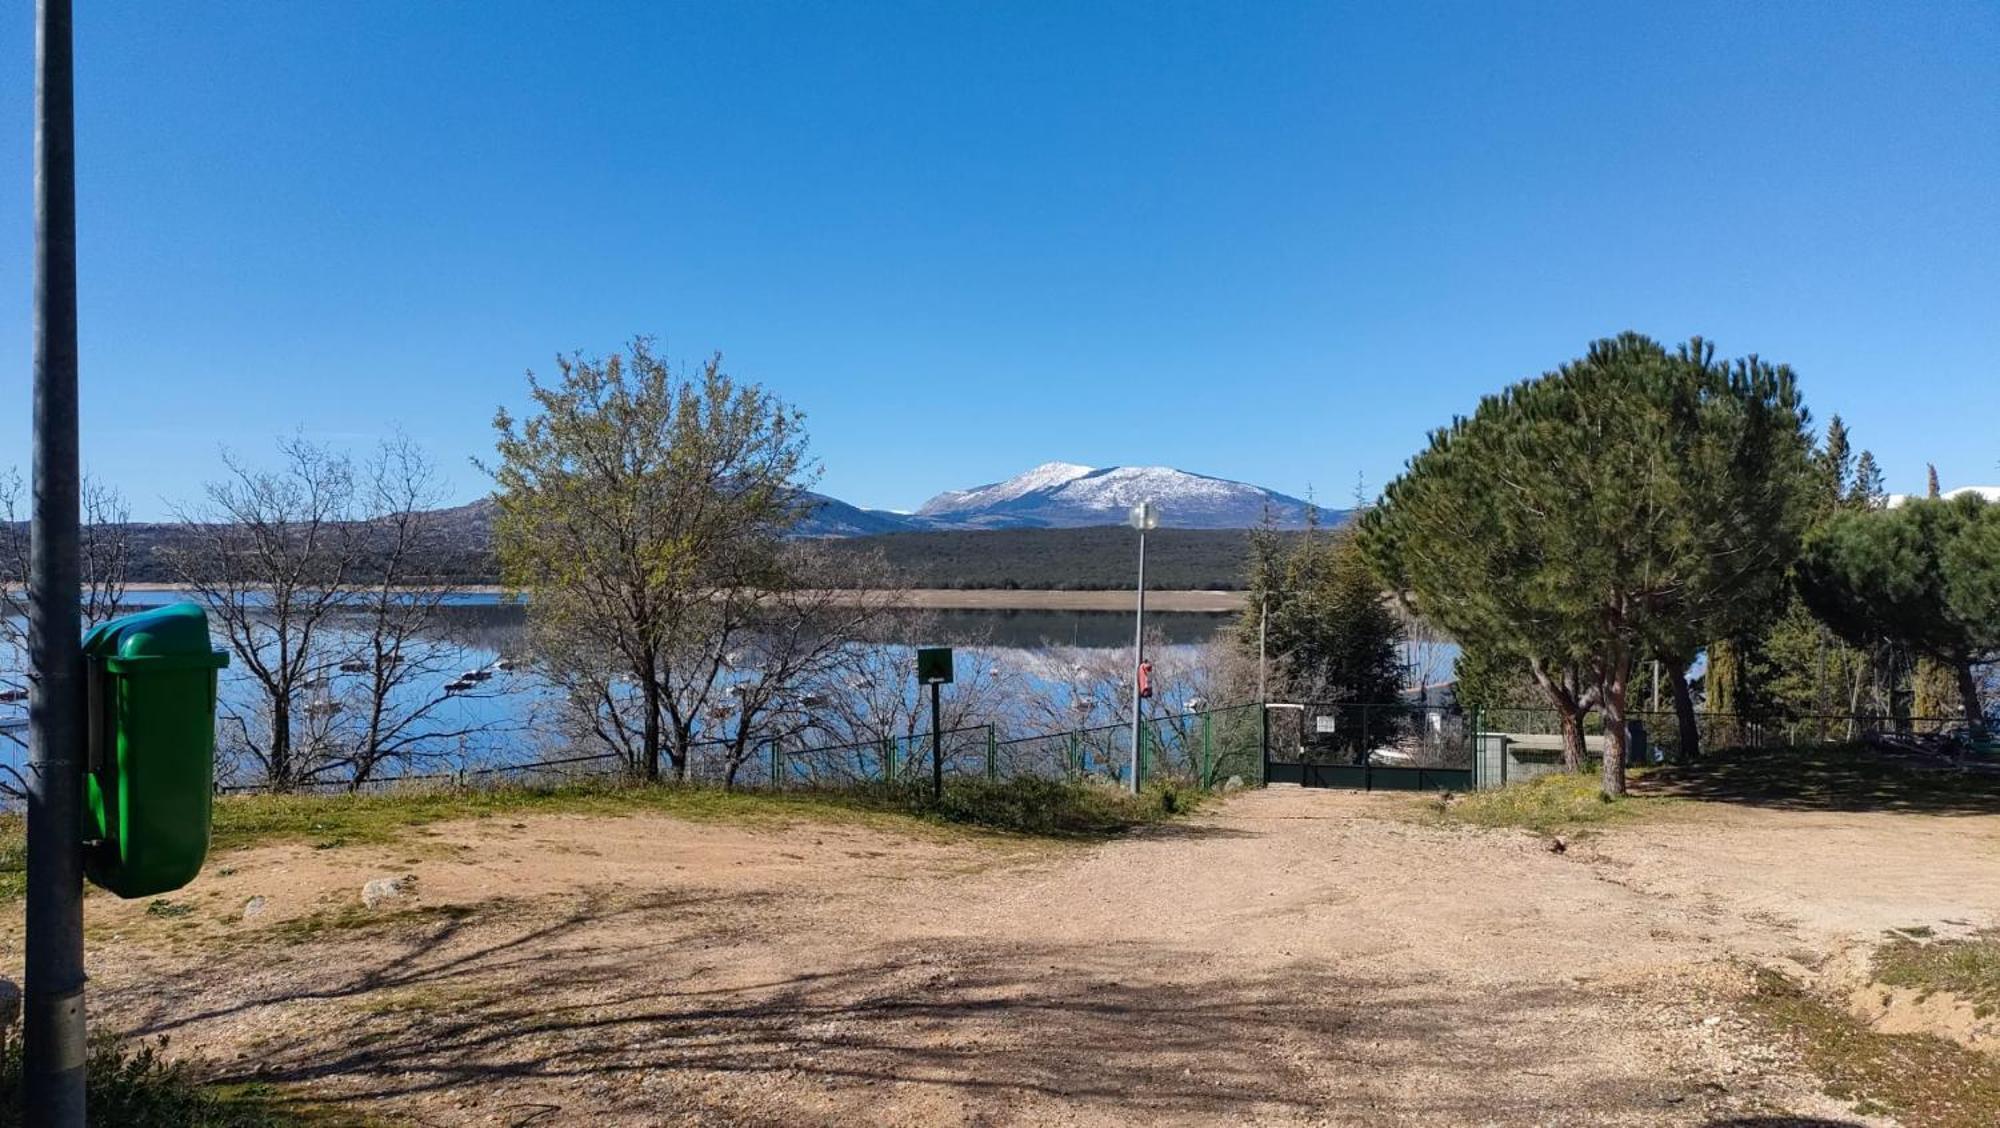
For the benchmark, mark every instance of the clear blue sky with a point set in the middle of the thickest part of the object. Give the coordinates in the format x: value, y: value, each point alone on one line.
x: 1265, y: 241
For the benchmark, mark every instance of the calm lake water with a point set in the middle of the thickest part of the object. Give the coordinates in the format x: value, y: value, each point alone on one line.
x: 1038, y: 648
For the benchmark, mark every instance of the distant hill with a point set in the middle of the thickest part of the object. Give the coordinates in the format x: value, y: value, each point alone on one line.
x: 1057, y: 526
x: 1062, y: 495
x: 1087, y: 559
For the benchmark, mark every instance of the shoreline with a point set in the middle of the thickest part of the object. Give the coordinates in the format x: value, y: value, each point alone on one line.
x: 992, y: 599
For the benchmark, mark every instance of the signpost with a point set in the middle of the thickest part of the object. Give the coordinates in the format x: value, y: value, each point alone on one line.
x: 1144, y: 515
x: 934, y: 669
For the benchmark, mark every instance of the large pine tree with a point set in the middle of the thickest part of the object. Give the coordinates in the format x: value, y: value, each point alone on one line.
x: 1631, y: 503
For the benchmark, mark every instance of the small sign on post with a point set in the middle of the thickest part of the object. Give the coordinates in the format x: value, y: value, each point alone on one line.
x: 934, y: 665
x: 934, y: 670
x: 1325, y: 723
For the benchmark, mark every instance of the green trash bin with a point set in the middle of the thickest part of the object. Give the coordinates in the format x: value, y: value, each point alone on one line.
x: 150, y: 780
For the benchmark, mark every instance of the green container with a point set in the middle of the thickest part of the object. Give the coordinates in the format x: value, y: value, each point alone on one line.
x: 151, y: 778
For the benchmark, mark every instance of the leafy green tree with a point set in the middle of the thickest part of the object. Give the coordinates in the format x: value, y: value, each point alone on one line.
x: 1834, y: 460
x: 1332, y: 633
x: 643, y: 513
x: 1630, y: 503
x: 1781, y: 662
x: 1925, y: 576
x: 1866, y: 491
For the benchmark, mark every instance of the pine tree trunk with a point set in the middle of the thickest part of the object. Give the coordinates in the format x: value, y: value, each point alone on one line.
x: 1614, y: 726
x: 1572, y: 734
x: 1569, y: 713
x: 1968, y: 692
x: 1690, y: 738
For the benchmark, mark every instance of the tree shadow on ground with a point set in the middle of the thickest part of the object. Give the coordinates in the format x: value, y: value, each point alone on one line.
x: 691, y: 1004
x: 1781, y: 1122
x: 1845, y: 777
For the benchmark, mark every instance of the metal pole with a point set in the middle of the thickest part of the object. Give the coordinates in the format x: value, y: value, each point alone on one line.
x: 1138, y: 658
x: 937, y: 750
x: 53, y: 1029
x: 1263, y: 629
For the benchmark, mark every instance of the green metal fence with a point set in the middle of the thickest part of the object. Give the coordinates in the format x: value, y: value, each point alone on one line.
x: 1204, y: 748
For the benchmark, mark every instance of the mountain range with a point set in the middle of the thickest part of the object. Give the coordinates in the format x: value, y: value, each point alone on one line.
x: 1064, y: 495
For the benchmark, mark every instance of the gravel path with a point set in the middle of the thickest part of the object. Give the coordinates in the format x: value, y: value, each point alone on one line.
x: 1292, y: 958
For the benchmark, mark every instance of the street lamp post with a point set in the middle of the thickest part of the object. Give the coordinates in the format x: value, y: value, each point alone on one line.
x: 1144, y: 516
x: 52, y: 1019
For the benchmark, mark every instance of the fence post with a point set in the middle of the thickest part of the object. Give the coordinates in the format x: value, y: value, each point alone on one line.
x: 1207, y: 752
x: 1075, y: 762
x: 889, y: 758
x: 1264, y: 751
x: 777, y: 754
x: 1367, y: 754
x: 992, y: 756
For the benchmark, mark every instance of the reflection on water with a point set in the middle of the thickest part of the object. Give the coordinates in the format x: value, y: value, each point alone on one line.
x: 492, y: 622
x: 511, y: 712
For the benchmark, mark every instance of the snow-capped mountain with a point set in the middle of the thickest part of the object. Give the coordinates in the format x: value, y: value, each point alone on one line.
x: 1046, y: 476
x: 1066, y: 495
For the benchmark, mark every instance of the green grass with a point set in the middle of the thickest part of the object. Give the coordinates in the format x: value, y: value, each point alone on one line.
x: 1968, y: 968
x: 1831, y: 777
x: 136, y: 1086
x: 354, y: 919
x: 1028, y: 807
x: 1550, y: 804
x: 1918, y: 1078
x: 13, y: 859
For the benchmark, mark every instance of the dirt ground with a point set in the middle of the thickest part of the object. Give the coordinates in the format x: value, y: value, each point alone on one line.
x: 1289, y: 957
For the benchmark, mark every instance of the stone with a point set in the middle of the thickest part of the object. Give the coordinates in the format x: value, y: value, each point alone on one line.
x: 1233, y: 783
x: 383, y: 890
x: 254, y: 908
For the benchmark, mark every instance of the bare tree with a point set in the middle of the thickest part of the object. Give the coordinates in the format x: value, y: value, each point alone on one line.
x: 770, y: 664
x: 106, y: 558
x: 878, y: 706
x: 797, y: 654
x: 272, y: 555
x: 407, y: 695
x: 323, y: 581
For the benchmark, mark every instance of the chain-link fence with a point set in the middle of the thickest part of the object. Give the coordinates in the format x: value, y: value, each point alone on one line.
x: 1519, y: 743
x: 1204, y: 748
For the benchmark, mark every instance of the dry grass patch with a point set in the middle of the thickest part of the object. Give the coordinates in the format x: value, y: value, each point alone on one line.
x: 1563, y: 802
x: 1918, y: 1078
x: 1968, y: 968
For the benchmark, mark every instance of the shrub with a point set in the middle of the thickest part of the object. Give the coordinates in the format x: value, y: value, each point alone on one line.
x: 136, y: 1086
x: 1051, y: 808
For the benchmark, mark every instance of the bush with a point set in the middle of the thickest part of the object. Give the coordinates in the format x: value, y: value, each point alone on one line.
x: 1559, y: 801
x: 1050, y: 808
x: 138, y: 1087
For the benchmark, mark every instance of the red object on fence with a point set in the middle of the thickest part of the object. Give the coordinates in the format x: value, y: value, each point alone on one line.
x: 1145, y: 679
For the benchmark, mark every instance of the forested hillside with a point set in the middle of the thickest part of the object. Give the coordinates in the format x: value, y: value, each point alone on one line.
x: 1086, y: 559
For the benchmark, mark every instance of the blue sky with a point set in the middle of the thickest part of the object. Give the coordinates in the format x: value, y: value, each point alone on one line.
x: 1265, y: 241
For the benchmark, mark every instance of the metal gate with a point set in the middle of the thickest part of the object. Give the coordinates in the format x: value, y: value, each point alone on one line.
x: 1369, y: 747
